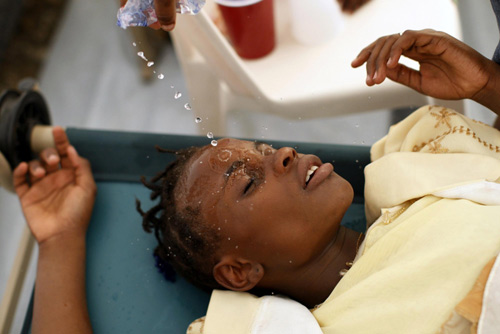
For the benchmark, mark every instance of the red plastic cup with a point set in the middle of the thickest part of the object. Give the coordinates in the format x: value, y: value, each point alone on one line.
x: 250, y: 26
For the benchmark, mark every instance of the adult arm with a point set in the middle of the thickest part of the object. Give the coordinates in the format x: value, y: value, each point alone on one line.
x: 57, y: 195
x: 449, y: 69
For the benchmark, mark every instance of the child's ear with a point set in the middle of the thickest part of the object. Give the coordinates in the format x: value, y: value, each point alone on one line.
x: 238, y: 274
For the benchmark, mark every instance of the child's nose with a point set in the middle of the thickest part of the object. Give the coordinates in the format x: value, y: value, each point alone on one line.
x: 283, y: 159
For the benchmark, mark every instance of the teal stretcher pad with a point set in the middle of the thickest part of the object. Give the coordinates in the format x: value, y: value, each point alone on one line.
x: 125, y: 292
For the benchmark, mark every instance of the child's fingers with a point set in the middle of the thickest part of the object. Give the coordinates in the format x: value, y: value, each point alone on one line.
x: 62, y: 144
x: 82, y: 168
x: 50, y: 159
x: 36, y: 171
x: 19, y: 178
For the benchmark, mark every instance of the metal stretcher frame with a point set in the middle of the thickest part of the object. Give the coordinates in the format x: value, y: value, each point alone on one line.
x: 125, y: 292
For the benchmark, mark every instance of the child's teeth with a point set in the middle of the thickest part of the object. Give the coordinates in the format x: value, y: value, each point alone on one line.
x: 310, y: 172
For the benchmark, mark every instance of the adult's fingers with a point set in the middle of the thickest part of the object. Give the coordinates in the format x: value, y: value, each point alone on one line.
x: 62, y: 144
x: 371, y: 69
x: 382, y: 58
x: 406, y: 76
x: 363, y: 56
x: 19, y: 178
x: 165, y: 12
x: 417, y: 43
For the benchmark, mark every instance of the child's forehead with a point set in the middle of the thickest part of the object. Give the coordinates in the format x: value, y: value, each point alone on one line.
x: 221, y: 157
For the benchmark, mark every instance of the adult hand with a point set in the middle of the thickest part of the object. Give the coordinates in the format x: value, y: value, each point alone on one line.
x: 59, y: 196
x: 349, y: 6
x: 165, y: 12
x: 449, y: 69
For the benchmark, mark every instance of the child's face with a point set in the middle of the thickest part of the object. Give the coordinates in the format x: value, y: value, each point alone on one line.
x: 257, y: 198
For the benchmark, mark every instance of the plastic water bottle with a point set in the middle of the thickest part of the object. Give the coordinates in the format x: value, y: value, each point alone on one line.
x: 141, y: 13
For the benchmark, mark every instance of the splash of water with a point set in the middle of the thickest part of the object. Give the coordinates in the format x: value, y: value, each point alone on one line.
x: 141, y: 54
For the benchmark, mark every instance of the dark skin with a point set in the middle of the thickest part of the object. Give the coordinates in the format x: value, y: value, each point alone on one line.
x: 263, y: 222
x: 57, y: 203
x: 165, y: 11
x: 449, y: 69
x: 350, y: 6
x: 278, y: 234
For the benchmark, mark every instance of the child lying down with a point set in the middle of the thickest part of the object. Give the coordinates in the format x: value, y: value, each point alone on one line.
x: 432, y: 206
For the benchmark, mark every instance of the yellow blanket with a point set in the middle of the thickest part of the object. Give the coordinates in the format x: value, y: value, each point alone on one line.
x: 424, y: 253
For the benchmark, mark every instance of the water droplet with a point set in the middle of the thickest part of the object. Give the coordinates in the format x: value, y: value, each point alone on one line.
x: 171, y: 86
x: 236, y: 246
x: 357, y: 125
x: 141, y: 54
x: 214, y: 142
x: 357, y: 160
x: 177, y: 95
x: 161, y: 76
x: 150, y: 63
x: 210, y: 135
x: 198, y: 120
x: 134, y: 44
x: 187, y: 106
x: 229, y: 238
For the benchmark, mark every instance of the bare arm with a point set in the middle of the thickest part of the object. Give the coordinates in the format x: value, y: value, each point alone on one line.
x: 60, y: 301
x: 57, y: 202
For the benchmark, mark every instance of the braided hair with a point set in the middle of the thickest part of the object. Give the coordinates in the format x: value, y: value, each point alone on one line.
x: 186, y: 244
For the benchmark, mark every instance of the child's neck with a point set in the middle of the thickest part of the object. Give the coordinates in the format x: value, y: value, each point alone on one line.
x: 315, y: 284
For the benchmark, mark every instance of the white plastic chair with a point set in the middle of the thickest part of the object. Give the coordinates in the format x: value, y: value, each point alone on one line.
x: 297, y: 80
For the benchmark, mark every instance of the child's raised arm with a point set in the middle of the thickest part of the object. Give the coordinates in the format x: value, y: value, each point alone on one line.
x: 57, y: 195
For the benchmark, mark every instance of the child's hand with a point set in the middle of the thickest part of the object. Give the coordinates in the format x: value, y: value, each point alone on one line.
x: 59, y: 196
x: 165, y: 12
x: 449, y: 69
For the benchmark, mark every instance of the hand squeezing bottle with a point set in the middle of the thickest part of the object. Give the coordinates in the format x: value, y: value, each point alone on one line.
x: 141, y: 13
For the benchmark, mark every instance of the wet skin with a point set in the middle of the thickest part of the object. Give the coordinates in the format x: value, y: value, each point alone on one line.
x: 257, y: 198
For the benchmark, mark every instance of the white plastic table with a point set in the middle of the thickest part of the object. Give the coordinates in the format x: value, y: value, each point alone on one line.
x: 297, y: 80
